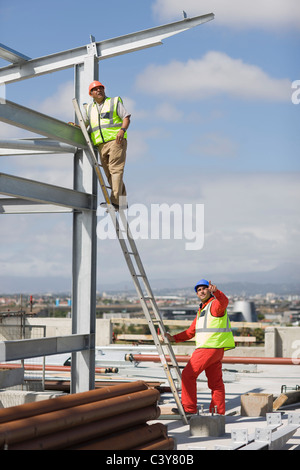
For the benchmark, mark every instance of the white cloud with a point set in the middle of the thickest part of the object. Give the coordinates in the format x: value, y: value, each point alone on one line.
x: 59, y: 105
x: 250, y: 216
x: 168, y: 112
x: 251, y: 221
x: 251, y: 224
x: 215, y: 74
x: 213, y: 145
x: 138, y: 142
x: 241, y: 14
x: 39, y: 246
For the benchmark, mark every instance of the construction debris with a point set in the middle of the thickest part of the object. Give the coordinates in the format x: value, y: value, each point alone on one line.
x: 256, y: 404
x: 287, y: 398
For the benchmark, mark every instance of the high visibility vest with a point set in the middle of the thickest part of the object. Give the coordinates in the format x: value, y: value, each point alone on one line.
x: 213, y: 332
x: 104, y: 126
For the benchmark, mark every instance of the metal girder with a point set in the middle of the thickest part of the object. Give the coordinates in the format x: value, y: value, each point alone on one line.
x: 103, y: 50
x: 33, y: 147
x: 45, y: 193
x: 11, y: 55
x: 39, y: 123
x: 16, y: 205
x: 28, y: 348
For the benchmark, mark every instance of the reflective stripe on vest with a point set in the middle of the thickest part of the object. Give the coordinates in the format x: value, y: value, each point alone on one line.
x: 106, y: 124
x: 213, y: 332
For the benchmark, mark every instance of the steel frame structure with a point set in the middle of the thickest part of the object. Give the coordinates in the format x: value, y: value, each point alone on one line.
x: 27, y: 196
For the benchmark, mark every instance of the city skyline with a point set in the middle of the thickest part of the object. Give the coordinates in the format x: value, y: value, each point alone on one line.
x: 213, y: 123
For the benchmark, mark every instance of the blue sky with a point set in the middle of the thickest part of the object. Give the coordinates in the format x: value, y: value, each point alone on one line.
x: 213, y: 123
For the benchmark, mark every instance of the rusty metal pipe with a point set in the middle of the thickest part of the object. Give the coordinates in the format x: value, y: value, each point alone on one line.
x: 152, y: 358
x: 126, y: 440
x: 64, y: 385
x: 55, y: 421
x: 161, y: 444
x: 73, y: 436
x: 63, y: 402
x: 225, y: 360
x: 261, y: 360
x: 54, y: 368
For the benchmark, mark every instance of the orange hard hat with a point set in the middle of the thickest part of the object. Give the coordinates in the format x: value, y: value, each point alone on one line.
x: 94, y: 84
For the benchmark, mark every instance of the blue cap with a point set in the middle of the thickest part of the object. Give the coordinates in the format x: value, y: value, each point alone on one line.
x: 202, y: 282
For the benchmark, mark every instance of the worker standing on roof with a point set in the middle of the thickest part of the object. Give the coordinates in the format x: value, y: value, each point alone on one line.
x: 108, y: 122
x: 213, y: 336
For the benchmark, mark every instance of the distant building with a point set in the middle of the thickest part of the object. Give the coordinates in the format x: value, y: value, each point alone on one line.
x: 179, y: 312
x: 243, y: 310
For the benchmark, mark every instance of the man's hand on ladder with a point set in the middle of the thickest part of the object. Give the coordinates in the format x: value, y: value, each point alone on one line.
x: 170, y: 337
x: 74, y: 124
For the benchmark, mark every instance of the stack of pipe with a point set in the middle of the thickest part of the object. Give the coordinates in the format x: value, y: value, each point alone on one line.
x: 111, y: 418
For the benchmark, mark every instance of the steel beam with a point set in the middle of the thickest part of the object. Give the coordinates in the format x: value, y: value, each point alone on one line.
x: 16, y: 205
x: 12, y: 56
x: 39, y: 123
x: 27, y: 348
x: 104, y: 49
x: 33, y: 147
x: 45, y: 193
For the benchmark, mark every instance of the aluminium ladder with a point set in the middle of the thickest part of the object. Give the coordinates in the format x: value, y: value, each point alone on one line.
x: 138, y: 274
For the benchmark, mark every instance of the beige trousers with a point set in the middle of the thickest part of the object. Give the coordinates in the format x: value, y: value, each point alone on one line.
x: 112, y: 157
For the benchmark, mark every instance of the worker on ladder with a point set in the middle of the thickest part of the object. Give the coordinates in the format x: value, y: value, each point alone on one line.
x: 107, y: 121
x: 213, y: 336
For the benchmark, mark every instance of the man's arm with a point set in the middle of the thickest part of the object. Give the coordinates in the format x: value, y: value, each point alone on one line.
x: 219, y: 304
x: 125, y: 125
x: 184, y: 335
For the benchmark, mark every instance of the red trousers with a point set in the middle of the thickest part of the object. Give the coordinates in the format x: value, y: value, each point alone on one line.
x: 210, y: 361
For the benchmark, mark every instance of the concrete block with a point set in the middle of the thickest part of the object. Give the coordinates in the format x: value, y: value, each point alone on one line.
x: 19, y: 397
x: 256, y: 404
x: 207, y: 425
x: 11, y: 377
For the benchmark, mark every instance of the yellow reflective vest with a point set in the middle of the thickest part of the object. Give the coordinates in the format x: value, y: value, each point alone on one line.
x: 213, y: 332
x: 104, y: 126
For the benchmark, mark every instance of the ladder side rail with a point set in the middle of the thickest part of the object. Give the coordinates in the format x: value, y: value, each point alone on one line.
x: 157, y: 316
x: 94, y: 162
x: 152, y: 326
x: 127, y: 254
x: 139, y: 263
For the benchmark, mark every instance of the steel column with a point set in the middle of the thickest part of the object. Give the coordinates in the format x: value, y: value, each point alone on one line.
x: 84, y: 248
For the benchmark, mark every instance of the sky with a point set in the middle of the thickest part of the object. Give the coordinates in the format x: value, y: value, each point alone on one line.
x: 214, y: 126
